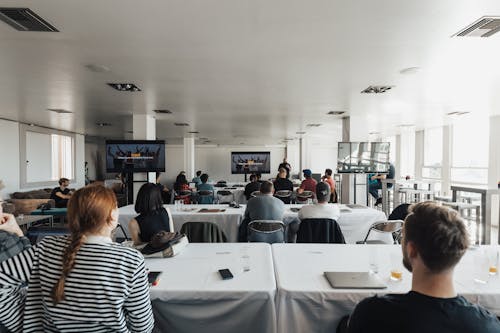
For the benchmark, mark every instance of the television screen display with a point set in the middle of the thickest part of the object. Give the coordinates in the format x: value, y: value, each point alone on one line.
x: 250, y: 162
x: 135, y: 156
x: 363, y: 157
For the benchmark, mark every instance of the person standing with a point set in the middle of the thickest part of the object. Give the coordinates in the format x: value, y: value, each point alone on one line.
x: 285, y: 165
x: 327, y: 178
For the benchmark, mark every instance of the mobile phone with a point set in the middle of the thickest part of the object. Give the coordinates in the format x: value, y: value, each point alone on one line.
x: 154, y: 278
x: 225, y: 274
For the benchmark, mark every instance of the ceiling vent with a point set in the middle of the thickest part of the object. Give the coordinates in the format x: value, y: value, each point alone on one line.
x: 24, y: 19
x: 457, y: 113
x: 300, y: 132
x: 162, y: 111
x: 313, y: 125
x: 194, y: 132
x: 104, y: 124
x: 60, y: 111
x: 181, y: 124
x: 124, y: 86
x: 486, y: 26
x: 376, y: 89
x: 335, y: 113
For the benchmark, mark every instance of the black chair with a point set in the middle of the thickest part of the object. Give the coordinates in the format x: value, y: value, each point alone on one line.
x: 203, y: 232
x: 400, y: 212
x: 223, y: 195
x: 185, y: 196
x: 266, y: 231
x: 36, y: 234
x: 320, y: 231
x: 284, y: 195
x: 255, y: 194
x: 221, y: 183
x: 392, y: 227
x: 205, y: 197
x: 304, y: 196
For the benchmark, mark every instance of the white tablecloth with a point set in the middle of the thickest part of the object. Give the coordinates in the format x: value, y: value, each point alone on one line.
x: 307, y: 303
x: 354, y: 223
x: 228, y: 221
x: 191, y: 296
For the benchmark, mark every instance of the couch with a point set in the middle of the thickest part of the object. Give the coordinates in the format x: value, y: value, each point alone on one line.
x: 26, y: 202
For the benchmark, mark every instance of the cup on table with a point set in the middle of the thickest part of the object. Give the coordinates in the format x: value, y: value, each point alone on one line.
x: 396, y: 267
x: 492, y: 261
x: 309, y: 201
x: 373, y: 258
x: 245, y: 259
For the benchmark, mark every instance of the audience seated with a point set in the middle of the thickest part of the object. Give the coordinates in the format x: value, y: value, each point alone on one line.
x: 282, y: 183
x: 327, y: 178
x: 320, y: 210
x: 181, y: 184
x: 104, y: 282
x: 262, y: 207
x: 62, y: 193
x: 204, y: 186
x: 152, y: 218
x: 197, y: 179
x: 251, y: 187
x: 308, y: 184
x: 12, y: 240
x: 434, y: 240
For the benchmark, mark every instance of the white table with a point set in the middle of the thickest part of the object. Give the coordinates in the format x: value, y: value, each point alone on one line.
x: 191, y: 296
x: 228, y: 221
x: 354, y: 223
x: 307, y: 303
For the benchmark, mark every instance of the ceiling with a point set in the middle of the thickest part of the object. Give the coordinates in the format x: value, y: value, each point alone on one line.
x: 253, y: 71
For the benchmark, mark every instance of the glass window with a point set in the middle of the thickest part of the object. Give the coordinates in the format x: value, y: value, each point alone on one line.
x: 433, y: 147
x: 62, y: 156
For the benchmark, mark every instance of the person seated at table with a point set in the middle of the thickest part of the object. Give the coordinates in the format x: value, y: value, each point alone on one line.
x: 321, y: 209
x: 308, y: 184
x: 251, y: 187
x: 82, y: 282
x: 181, y: 184
x: 327, y: 178
x: 62, y: 193
x: 282, y: 183
x: 11, y: 241
x: 261, y: 207
x: 434, y: 240
x: 259, y: 177
x: 152, y: 218
x: 197, y: 179
x: 204, y: 186
x: 375, y: 184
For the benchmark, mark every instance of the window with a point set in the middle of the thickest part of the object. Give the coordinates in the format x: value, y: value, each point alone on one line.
x: 433, y: 153
x: 470, y: 150
x: 46, y: 155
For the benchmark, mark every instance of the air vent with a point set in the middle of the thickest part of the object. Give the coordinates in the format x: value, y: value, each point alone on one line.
x: 376, y: 89
x: 457, y: 113
x: 193, y: 132
x: 181, y: 124
x: 300, y: 132
x: 24, y: 19
x: 162, y: 111
x: 97, y: 68
x: 486, y: 26
x: 103, y: 124
x: 60, y: 111
x: 124, y: 86
x: 335, y: 113
x: 313, y: 125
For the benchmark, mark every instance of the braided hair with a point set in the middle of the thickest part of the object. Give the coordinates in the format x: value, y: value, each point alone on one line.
x: 89, y: 209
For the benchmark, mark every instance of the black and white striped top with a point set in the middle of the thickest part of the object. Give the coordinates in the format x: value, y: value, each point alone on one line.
x: 106, y: 291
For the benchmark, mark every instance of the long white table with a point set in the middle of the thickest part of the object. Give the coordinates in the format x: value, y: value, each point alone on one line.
x: 307, y: 303
x: 192, y: 297
x: 354, y: 223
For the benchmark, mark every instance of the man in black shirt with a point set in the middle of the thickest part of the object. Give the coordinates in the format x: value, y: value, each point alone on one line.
x: 434, y: 240
x: 61, y: 194
x: 253, y: 186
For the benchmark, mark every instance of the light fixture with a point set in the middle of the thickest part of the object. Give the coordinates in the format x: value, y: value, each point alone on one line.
x: 60, y: 111
x: 409, y: 70
x: 124, y: 87
x: 162, y: 111
x: 193, y: 132
x: 181, y: 124
x: 300, y: 132
x: 457, y: 113
x: 103, y: 124
x: 97, y: 68
x: 406, y: 125
x: 376, y: 89
x: 374, y: 133
x: 313, y: 125
x: 335, y: 113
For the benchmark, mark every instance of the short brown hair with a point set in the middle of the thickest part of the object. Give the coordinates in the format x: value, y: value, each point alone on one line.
x: 266, y: 187
x: 62, y: 180
x: 438, y: 233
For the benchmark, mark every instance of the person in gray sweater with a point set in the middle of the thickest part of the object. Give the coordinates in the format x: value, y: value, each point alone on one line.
x: 262, y: 207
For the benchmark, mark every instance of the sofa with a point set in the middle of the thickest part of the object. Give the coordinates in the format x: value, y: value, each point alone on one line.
x: 26, y: 202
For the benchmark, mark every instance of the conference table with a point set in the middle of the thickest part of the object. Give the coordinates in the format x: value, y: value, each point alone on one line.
x: 192, y: 297
x: 354, y: 222
x: 306, y: 302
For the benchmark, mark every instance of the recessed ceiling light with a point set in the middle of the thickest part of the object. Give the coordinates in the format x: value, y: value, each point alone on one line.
x: 32, y: 125
x: 376, y: 89
x: 97, y: 68
x: 335, y: 113
x: 60, y: 111
x: 103, y: 124
x: 313, y: 125
x: 193, y: 132
x: 124, y: 86
x: 300, y: 132
x: 162, y: 111
x: 409, y: 70
x: 181, y: 124
x: 457, y: 113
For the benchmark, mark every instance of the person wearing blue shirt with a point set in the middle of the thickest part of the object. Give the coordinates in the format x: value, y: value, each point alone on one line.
x: 197, y: 179
x: 204, y: 186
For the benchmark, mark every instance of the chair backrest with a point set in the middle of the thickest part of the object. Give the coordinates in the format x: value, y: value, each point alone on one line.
x: 284, y: 195
x: 225, y: 196
x: 203, y: 232
x: 256, y: 194
x: 400, y: 212
x: 305, y: 195
x: 206, y: 197
x: 205, y: 193
x: 221, y: 183
x: 266, y: 231
x: 320, y: 231
x: 392, y: 227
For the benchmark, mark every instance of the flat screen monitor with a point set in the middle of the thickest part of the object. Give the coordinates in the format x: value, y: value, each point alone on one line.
x: 250, y: 162
x: 135, y: 156
x: 363, y: 157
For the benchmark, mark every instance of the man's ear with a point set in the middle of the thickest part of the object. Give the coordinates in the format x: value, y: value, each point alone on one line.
x: 411, y: 249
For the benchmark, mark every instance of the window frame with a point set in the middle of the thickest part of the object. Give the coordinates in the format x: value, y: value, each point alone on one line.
x: 23, y: 170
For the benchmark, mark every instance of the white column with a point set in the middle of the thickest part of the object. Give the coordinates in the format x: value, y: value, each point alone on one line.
x: 419, y: 153
x: 494, y: 172
x: 293, y: 157
x: 407, y: 152
x: 189, y: 158
x: 446, y: 166
x: 397, y: 163
x: 144, y: 127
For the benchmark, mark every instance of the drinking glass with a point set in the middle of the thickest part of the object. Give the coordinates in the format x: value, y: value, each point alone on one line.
x: 492, y: 261
x: 373, y: 260
x: 396, y: 267
x: 245, y: 259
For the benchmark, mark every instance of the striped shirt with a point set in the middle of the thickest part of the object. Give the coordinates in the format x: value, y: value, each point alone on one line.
x: 106, y: 291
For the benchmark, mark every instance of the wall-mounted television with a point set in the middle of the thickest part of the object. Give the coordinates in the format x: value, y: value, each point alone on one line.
x: 363, y: 157
x: 135, y: 156
x: 250, y: 162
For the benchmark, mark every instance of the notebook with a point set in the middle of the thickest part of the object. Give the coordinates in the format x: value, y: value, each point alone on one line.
x: 354, y: 280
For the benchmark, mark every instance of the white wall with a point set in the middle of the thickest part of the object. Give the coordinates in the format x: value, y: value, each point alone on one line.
x: 9, y: 165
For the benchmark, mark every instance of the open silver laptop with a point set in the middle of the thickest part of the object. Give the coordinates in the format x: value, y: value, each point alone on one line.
x: 354, y: 280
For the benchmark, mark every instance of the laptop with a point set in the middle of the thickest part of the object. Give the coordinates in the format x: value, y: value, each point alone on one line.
x: 354, y: 280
